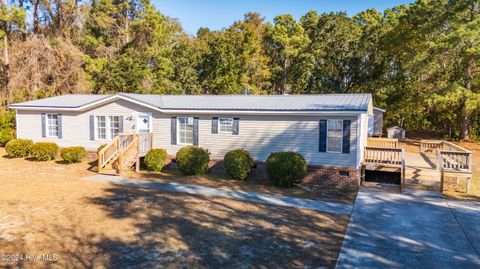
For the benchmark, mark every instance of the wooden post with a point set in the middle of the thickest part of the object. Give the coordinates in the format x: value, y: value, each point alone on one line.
x: 99, y: 165
x: 137, y: 163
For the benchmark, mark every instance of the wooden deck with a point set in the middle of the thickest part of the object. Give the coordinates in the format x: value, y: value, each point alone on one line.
x: 422, y: 171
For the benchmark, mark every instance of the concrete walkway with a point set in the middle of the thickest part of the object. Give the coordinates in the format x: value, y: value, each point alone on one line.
x: 255, y: 197
x: 394, y: 230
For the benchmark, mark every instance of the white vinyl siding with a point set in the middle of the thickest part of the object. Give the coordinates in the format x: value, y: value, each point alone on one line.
x: 334, y: 136
x: 260, y: 134
x: 52, y: 125
x: 225, y: 125
x: 185, y: 131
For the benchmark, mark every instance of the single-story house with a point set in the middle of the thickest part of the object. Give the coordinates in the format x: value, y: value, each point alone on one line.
x: 329, y: 130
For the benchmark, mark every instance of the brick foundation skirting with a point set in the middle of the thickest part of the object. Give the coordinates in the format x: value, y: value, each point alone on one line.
x: 329, y: 177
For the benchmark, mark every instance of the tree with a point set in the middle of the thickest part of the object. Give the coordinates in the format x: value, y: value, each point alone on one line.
x: 286, y: 44
x: 11, y: 20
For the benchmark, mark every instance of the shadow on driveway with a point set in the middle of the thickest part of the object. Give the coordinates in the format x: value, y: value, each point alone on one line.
x: 393, y: 230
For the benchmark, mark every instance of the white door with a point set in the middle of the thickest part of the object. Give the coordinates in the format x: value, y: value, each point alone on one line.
x: 144, y: 123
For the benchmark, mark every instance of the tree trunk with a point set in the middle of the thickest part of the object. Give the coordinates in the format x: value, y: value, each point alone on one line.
x: 35, y: 16
x: 465, y: 126
x: 6, y: 69
x: 285, y: 74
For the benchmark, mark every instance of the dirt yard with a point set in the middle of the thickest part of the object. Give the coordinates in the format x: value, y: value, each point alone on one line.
x: 49, y: 217
x: 253, y: 185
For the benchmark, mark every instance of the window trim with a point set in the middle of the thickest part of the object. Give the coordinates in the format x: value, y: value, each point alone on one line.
x: 178, y: 131
x: 219, y: 124
x: 107, y: 126
x: 341, y: 137
x: 47, y: 129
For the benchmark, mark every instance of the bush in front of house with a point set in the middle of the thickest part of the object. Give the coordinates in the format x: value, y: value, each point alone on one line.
x: 155, y: 159
x: 44, y: 151
x: 18, y: 148
x: 6, y: 135
x: 286, y: 168
x: 192, y: 160
x: 73, y: 154
x: 238, y: 163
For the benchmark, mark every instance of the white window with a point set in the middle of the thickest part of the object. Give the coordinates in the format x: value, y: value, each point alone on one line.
x: 114, y: 126
x: 225, y: 125
x: 101, y: 127
x: 335, y: 135
x: 52, y: 125
x: 185, y: 131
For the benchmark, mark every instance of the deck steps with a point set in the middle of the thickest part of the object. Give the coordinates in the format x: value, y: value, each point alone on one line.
x: 422, y: 179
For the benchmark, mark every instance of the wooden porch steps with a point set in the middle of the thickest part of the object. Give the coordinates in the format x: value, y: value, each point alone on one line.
x: 123, y: 152
x: 426, y: 179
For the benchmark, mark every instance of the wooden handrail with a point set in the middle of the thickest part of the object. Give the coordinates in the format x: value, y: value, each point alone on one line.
x: 386, y: 156
x: 107, y: 153
x: 128, y: 155
x: 382, y: 142
x: 450, y: 157
x: 126, y: 148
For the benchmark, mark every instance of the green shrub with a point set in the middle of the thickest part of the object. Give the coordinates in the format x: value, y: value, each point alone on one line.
x: 18, y: 148
x: 73, y: 154
x: 286, y: 168
x: 44, y: 151
x: 192, y: 160
x: 7, y: 119
x: 6, y: 135
x: 101, y: 147
x: 238, y: 163
x: 155, y: 159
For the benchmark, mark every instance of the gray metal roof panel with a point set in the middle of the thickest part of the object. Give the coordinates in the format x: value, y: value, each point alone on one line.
x: 321, y: 102
x: 325, y: 102
x: 65, y: 101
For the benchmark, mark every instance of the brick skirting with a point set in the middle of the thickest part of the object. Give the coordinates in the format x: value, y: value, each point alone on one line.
x: 329, y: 177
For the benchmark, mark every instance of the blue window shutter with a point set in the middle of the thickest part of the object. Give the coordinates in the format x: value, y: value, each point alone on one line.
x: 92, y: 127
x: 60, y: 130
x: 346, y: 136
x: 195, y: 131
x: 236, y: 127
x: 215, y: 125
x: 120, y: 124
x: 44, y: 129
x: 323, y: 136
x: 173, y: 131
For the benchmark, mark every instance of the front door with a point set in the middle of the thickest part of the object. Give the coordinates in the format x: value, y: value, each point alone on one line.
x: 144, y: 124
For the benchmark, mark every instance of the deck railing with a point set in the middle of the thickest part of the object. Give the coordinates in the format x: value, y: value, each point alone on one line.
x: 450, y: 157
x: 126, y: 149
x: 145, y: 143
x: 390, y: 157
x: 382, y: 142
x: 129, y: 155
x: 387, y: 156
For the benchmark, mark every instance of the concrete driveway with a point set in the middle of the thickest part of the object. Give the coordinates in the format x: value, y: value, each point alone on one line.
x: 393, y: 230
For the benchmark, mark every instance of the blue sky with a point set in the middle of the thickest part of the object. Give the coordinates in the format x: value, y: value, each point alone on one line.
x: 217, y: 14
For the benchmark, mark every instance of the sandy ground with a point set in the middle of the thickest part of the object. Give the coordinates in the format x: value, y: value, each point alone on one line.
x: 49, y: 217
x: 252, y: 185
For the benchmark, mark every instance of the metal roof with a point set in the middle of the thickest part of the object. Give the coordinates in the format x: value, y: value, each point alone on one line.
x: 64, y: 101
x: 321, y: 102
